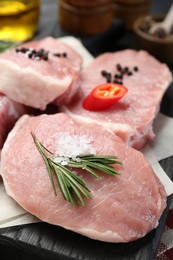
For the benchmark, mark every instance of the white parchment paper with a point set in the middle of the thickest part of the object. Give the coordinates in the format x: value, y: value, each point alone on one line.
x: 12, y: 214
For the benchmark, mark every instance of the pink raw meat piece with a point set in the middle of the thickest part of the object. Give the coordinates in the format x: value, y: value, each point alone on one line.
x: 123, y: 208
x: 9, y: 113
x: 132, y: 117
x: 37, y: 82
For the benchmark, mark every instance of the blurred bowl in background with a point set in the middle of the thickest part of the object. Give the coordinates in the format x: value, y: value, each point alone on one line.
x: 130, y: 10
x: 161, y: 48
x: 130, y: 2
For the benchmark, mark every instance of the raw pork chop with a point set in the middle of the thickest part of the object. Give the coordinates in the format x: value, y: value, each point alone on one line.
x: 123, y: 208
x: 36, y: 82
x: 9, y: 113
x: 132, y: 117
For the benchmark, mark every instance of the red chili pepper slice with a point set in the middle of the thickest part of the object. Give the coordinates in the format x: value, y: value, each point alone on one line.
x: 104, y: 96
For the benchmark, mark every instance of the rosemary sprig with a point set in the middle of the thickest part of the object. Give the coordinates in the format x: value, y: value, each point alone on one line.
x: 7, y: 45
x: 72, y: 187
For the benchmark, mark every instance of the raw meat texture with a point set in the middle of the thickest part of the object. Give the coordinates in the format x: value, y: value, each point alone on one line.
x: 35, y: 82
x: 9, y: 113
x: 132, y: 117
x: 123, y: 208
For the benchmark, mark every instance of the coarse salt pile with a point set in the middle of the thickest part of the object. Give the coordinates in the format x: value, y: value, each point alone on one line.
x: 73, y: 146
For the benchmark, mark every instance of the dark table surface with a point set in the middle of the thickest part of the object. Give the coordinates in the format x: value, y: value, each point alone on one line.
x: 44, y: 241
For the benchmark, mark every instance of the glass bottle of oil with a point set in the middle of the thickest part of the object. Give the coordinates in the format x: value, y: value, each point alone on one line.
x: 18, y: 19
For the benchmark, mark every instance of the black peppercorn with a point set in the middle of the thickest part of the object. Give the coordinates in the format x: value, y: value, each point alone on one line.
x: 104, y: 73
x: 64, y: 54
x: 118, y: 66
x: 135, y: 68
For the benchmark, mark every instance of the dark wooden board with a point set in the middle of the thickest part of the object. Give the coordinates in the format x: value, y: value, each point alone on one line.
x: 43, y: 241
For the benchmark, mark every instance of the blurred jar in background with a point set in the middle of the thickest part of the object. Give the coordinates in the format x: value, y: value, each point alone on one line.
x: 18, y: 19
x: 130, y: 10
x: 85, y: 17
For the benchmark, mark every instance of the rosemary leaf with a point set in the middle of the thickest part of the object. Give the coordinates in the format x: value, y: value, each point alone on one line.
x: 7, y: 45
x: 41, y: 151
x: 45, y: 148
x: 84, y: 167
x: 88, y: 169
x: 71, y: 185
x: 62, y: 184
x: 77, y: 196
x: 104, y: 159
x: 79, y: 180
x: 102, y: 168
